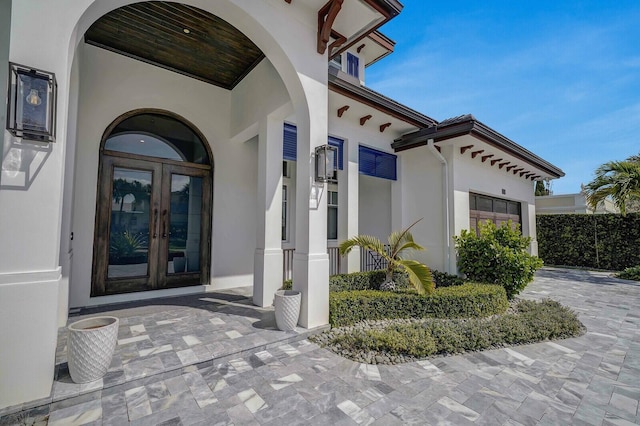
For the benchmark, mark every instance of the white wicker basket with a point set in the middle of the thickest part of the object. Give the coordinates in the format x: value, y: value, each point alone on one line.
x: 90, y: 348
x: 287, y: 304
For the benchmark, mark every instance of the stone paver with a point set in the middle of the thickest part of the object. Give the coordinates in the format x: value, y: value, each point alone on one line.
x: 593, y: 379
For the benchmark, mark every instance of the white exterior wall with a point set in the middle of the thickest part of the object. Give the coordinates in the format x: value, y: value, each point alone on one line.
x: 34, y: 176
x: 472, y: 175
x: 208, y: 108
x: 365, y: 203
x: 422, y: 197
x: 374, y: 207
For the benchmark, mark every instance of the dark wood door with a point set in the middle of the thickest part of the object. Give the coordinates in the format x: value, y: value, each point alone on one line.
x: 153, y: 226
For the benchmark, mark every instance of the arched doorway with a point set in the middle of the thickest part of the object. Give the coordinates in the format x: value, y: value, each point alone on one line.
x: 153, y: 210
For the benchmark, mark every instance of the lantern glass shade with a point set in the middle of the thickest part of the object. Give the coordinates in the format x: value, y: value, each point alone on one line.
x: 31, y: 103
x: 326, y: 164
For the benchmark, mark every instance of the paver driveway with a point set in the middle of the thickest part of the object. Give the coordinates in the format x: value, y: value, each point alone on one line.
x: 593, y: 379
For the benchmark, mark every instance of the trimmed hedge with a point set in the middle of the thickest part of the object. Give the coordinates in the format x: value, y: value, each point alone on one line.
x: 366, y: 281
x: 602, y: 241
x: 443, y: 279
x: 532, y: 322
x: 468, y: 300
x: 361, y: 281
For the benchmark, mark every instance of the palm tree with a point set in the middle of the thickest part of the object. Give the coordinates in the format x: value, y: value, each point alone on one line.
x: 619, y: 180
x: 419, y: 274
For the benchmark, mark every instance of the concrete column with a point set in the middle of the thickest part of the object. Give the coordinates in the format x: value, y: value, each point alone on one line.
x: 348, y: 205
x: 267, y: 265
x: 310, y: 261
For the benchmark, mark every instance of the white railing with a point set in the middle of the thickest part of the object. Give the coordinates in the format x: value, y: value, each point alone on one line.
x: 371, y: 261
x: 287, y: 262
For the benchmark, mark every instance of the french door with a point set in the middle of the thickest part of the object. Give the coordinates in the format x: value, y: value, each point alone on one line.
x: 153, y: 225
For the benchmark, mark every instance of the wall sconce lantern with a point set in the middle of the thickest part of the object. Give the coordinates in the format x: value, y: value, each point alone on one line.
x: 326, y: 163
x: 31, y: 103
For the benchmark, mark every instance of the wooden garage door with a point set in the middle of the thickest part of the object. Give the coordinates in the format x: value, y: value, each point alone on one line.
x: 496, y: 210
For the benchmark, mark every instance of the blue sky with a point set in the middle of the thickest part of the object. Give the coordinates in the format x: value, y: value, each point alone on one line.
x: 561, y: 78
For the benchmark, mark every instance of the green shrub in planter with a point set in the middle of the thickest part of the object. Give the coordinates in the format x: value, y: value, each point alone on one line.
x: 468, y: 300
x: 632, y: 273
x: 497, y: 256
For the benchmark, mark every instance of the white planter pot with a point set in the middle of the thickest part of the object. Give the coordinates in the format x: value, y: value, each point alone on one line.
x: 287, y: 304
x: 90, y: 347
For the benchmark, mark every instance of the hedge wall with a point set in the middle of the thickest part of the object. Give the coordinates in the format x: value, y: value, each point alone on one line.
x: 607, y: 241
x: 464, y: 301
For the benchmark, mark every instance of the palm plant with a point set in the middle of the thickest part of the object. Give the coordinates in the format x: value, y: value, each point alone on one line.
x: 399, y: 242
x: 619, y: 180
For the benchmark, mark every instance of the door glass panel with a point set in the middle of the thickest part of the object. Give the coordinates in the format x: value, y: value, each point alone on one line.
x: 184, y: 224
x: 157, y: 135
x: 129, y: 229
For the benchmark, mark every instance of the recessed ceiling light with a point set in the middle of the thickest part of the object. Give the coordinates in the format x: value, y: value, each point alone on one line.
x: 186, y: 31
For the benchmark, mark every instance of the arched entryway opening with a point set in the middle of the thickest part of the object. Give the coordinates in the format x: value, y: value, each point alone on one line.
x: 153, y: 205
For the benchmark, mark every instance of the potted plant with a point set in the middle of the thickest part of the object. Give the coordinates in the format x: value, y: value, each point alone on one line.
x: 90, y: 348
x: 287, y: 307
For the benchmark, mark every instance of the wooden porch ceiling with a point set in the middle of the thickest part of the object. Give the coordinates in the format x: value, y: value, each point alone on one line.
x: 180, y: 38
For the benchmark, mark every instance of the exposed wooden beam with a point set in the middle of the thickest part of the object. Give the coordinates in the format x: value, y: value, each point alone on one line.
x: 524, y: 173
x: 341, y: 110
x: 326, y: 17
x: 337, y: 43
x: 288, y: 1
x: 360, y: 47
x: 364, y: 119
x: 501, y: 165
x: 384, y: 126
x: 517, y: 170
x: 535, y: 177
x: 493, y: 162
x: 465, y: 149
x: 511, y: 167
x: 474, y: 154
x: 486, y: 157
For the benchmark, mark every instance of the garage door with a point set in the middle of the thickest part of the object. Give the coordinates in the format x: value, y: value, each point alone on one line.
x: 496, y: 210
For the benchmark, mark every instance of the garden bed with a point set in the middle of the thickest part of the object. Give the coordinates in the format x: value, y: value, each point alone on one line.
x: 404, y: 340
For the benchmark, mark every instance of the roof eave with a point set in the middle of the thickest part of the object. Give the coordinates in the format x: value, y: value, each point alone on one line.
x: 479, y: 131
x: 378, y: 101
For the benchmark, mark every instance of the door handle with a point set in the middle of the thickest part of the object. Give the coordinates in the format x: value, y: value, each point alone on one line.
x: 155, y: 223
x: 164, y: 223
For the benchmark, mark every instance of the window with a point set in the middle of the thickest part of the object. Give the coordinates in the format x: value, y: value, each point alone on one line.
x: 377, y: 163
x: 289, y: 142
x: 336, y: 62
x: 290, y: 148
x: 332, y: 215
x: 284, y: 213
x: 285, y: 169
x: 353, y: 65
x: 157, y: 135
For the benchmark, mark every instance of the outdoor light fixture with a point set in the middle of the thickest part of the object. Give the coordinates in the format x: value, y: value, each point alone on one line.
x: 31, y: 103
x: 325, y: 162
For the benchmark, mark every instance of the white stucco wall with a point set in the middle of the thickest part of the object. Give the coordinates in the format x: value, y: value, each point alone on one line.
x: 33, y: 175
x: 105, y: 94
x: 472, y: 175
x: 374, y: 207
x: 422, y: 197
